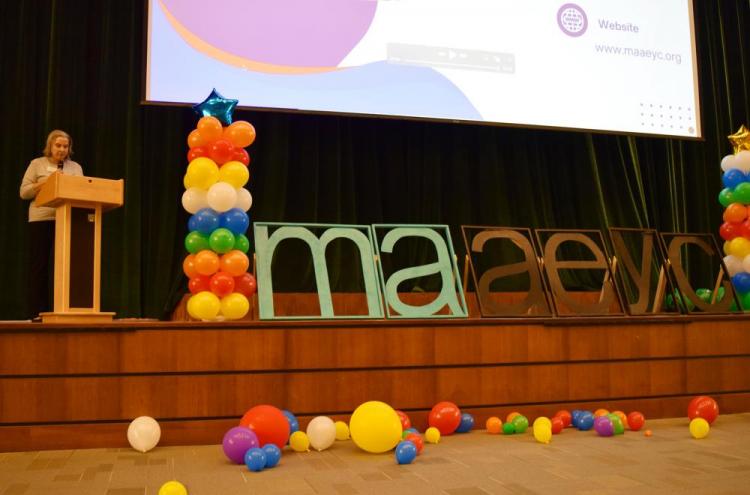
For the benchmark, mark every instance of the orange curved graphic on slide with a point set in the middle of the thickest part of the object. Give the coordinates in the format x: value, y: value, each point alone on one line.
x: 235, y: 60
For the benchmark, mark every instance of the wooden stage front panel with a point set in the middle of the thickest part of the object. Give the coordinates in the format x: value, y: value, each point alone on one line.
x: 75, y: 387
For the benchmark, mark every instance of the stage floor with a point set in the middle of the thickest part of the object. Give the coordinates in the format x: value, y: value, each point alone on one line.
x: 670, y: 461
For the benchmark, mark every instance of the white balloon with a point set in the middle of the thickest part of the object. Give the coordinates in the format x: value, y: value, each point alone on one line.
x: 322, y: 432
x: 221, y: 196
x: 727, y: 163
x: 746, y: 264
x: 194, y: 199
x: 143, y: 433
x: 734, y: 265
x: 742, y: 161
x: 244, y: 199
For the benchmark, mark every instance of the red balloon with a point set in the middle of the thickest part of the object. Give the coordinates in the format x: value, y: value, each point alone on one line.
x: 636, y: 420
x: 557, y: 425
x: 269, y: 423
x: 198, y: 284
x: 745, y: 229
x: 703, y: 407
x: 729, y: 231
x: 416, y: 439
x: 245, y: 284
x: 196, y: 152
x: 221, y: 151
x: 564, y: 414
x: 405, y: 421
x: 445, y: 416
x: 241, y: 155
x: 222, y: 284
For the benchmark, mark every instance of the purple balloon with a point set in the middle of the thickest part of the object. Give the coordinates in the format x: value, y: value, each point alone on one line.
x: 604, y: 427
x: 237, y: 441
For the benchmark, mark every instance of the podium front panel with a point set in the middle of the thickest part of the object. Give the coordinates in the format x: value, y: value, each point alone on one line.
x: 82, y: 248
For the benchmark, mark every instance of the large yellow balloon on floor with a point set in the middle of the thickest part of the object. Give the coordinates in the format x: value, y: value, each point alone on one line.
x: 375, y: 427
x: 173, y: 488
x: 542, y: 433
x: 699, y: 428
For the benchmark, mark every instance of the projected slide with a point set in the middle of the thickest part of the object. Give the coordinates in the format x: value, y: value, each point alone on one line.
x: 597, y: 64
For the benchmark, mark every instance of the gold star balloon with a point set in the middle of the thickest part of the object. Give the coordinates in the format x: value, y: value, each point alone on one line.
x: 740, y: 140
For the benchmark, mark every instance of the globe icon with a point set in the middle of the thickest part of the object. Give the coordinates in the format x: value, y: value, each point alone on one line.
x: 572, y: 20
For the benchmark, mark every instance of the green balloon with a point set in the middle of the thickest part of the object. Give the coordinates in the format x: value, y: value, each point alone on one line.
x: 221, y: 240
x: 242, y: 243
x: 720, y: 294
x: 195, y: 241
x: 617, y: 425
x: 520, y: 423
x: 742, y: 193
x: 745, y: 301
x: 508, y: 429
x: 726, y: 197
x: 704, y: 295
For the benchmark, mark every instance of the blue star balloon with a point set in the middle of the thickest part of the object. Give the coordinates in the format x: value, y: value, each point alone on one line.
x: 217, y: 106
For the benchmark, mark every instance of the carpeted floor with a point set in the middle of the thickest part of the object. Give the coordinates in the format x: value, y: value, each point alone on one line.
x: 670, y: 461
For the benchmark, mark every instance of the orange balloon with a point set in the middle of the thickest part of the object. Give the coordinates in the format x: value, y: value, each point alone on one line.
x: 509, y: 418
x: 235, y: 262
x: 210, y: 128
x: 735, y: 213
x: 494, y: 425
x: 600, y: 412
x: 195, y: 139
x: 206, y: 262
x: 188, y: 266
x: 240, y: 133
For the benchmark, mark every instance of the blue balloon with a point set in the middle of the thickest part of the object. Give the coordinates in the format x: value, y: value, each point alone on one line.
x: 255, y: 459
x: 292, y: 419
x: 217, y: 106
x: 466, y: 424
x: 235, y: 220
x: 273, y: 454
x: 405, y: 452
x: 204, y: 221
x: 585, y: 421
x: 412, y: 430
x: 733, y: 178
x: 574, y: 415
x: 741, y: 282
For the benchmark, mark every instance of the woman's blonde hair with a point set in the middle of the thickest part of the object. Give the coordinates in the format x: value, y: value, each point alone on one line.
x: 51, y: 139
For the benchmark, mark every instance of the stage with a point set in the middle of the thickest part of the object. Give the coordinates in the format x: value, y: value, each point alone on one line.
x: 64, y: 386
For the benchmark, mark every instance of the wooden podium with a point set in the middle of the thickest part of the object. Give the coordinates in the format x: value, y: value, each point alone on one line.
x: 78, y: 230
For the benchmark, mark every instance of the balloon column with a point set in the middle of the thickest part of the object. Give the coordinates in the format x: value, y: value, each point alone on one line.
x: 217, y: 262
x: 735, y: 198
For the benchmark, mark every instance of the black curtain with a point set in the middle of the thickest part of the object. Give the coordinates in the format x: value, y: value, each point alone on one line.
x: 77, y: 65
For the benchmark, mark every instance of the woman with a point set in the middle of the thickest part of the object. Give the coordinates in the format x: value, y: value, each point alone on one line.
x: 56, y: 160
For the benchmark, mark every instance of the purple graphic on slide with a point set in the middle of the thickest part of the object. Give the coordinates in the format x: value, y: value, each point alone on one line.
x: 572, y: 20
x: 291, y: 33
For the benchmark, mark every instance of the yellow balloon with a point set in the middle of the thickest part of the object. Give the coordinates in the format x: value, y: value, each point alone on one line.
x: 234, y: 306
x: 542, y: 432
x: 202, y: 172
x: 739, y: 246
x: 186, y: 182
x: 699, y: 428
x: 432, y: 435
x: 299, y: 442
x: 235, y: 173
x: 342, y: 430
x: 542, y: 421
x: 375, y: 427
x: 204, y: 305
x: 173, y: 488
